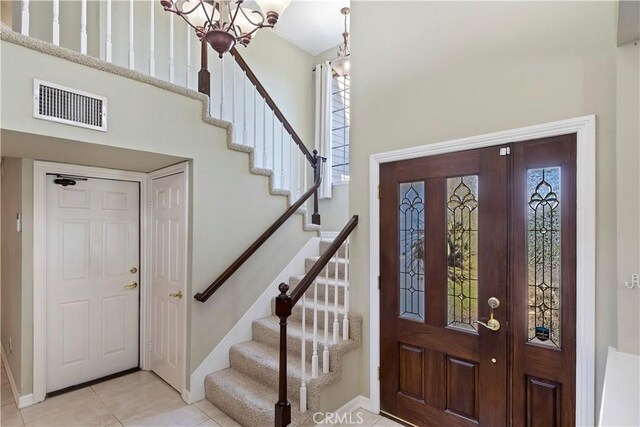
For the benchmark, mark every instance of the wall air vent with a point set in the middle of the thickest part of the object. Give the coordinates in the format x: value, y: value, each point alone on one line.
x: 69, y: 106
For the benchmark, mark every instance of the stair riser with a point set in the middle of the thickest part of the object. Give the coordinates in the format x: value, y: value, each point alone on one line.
x: 296, y: 316
x: 268, y: 374
x: 294, y: 281
x: 331, y: 268
x: 324, y: 245
x: 242, y: 412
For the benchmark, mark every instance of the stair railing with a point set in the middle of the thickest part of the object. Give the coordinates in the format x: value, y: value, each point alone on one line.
x: 284, y: 307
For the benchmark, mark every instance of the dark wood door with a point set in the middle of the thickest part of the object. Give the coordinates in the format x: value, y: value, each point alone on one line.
x: 456, y: 230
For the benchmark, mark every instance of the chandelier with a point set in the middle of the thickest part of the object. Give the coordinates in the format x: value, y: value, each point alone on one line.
x: 223, y: 23
x: 342, y: 64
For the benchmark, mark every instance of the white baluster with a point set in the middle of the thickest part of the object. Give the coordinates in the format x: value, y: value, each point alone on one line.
x: 264, y: 134
x: 345, y: 318
x: 282, y: 183
x: 233, y: 95
x: 299, y: 161
x: 314, y: 356
x: 131, y: 52
x: 244, y: 109
x: 325, y: 353
x: 255, y: 125
x: 152, y: 39
x: 336, y: 324
x: 291, y: 161
x: 188, y: 57
x: 24, y: 18
x: 303, y: 357
x: 108, y: 47
x: 222, y: 88
x: 83, y: 27
x: 273, y: 145
x: 172, y: 67
x: 55, y: 38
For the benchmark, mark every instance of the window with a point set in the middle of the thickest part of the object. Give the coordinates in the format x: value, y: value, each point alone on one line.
x: 340, y: 129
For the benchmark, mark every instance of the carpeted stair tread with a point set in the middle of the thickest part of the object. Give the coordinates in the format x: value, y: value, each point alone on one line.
x: 248, y: 402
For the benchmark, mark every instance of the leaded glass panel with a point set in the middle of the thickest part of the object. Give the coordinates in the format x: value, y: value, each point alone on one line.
x: 411, y: 213
x: 462, y: 251
x: 544, y: 252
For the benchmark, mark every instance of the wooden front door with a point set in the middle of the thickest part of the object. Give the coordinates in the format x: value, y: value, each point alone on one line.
x: 478, y: 286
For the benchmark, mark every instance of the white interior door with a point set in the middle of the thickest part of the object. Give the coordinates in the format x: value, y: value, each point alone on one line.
x: 92, y: 274
x: 168, y: 288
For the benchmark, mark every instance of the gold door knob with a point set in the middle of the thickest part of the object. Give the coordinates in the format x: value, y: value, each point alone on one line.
x: 177, y: 295
x: 132, y: 285
x: 133, y: 270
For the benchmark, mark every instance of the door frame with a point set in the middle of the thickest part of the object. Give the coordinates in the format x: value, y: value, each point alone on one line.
x: 585, y: 130
x: 40, y: 171
x: 161, y: 173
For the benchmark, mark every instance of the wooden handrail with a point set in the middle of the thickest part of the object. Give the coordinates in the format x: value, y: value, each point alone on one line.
x: 271, y: 103
x: 206, y: 294
x: 313, y: 273
x: 284, y: 308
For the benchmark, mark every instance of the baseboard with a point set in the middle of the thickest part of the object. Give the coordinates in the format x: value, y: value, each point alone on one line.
x: 21, y: 401
x: 218, y: 359
x: 186, y: 396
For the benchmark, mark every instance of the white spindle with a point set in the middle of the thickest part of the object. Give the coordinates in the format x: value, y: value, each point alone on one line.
x: 24, y: 18
x: 55, y: 38
x: 222, y: 88
x: 233, y: 94
x: 345, y: 318
x: 314, y: 356
x: 255, y: 124
x: 131, y: 51
x: 273, y: 145
x: 291, y: 161
x: 282, y: 184
x: 303, y: 356
x: 107, y: 42
x: 152, y: 39
x: 244, y: 109
x: 188, y: 56
x: 299, y: 161
x: 172, y: 67
x: 264, y: 134
x: 83, y: 27
x: 325, y: 353
x: 336, y: 324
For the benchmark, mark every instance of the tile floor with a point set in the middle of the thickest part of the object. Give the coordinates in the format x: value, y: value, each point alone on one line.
x: 138, y: 399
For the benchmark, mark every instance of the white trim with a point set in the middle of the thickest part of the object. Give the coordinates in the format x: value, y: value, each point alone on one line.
x: 218, y: 359
x: 584, y: 127
x: 161, y: 173
x: 40, y: 170
x: 21, y: 401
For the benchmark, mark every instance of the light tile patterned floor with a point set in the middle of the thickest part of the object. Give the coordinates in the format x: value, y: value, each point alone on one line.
x: 138, y: 399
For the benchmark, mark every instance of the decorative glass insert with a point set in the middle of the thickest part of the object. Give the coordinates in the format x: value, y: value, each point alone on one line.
x: 543, y: 225
x: 412, y: 250
x: 462, y: 252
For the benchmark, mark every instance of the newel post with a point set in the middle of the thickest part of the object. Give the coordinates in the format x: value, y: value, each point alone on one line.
x: 317, y: 172
x: 283, y: 311
x: 204, y: 77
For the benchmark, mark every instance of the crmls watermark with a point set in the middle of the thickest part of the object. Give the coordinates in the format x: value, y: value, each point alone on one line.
x: 333, y: 418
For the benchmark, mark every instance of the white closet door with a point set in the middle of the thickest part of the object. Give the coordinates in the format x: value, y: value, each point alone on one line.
x: 92, y: 280
x: 168, y: 278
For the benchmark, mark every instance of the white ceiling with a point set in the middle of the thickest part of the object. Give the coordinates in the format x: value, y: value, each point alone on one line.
x: 313, y: 25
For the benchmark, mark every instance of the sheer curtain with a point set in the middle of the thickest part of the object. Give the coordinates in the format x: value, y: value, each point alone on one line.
x: 324, y: 76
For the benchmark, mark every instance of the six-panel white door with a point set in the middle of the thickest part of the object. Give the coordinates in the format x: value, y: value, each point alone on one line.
x: 92, y: 275
x: 168, y: 278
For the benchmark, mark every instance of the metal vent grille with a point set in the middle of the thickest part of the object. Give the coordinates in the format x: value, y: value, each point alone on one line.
x: 69, y: 106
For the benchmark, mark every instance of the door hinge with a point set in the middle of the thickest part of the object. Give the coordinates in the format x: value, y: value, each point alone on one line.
x: 505, y: 151
x: 378, y: 191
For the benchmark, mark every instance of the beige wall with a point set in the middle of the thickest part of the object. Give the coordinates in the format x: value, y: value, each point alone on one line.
x: 11, y: 292
x: 628, y: 194
x: 145, y: 118
x: 335, y: 211
x: 455, y: 69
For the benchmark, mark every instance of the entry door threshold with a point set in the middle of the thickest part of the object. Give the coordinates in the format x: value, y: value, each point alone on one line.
x: 92, y: 382
x: 397, y: 419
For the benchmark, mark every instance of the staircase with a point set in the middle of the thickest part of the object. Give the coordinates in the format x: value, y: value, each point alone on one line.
x: 248, y: 390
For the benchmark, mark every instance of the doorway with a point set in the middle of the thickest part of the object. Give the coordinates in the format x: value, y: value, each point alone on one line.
x: 92, y: 293
x: 478, y: 295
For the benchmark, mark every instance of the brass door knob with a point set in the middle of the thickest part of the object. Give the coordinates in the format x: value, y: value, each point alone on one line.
x: 176, y: 295
x: 132, y: 285
x: 133, y: 270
